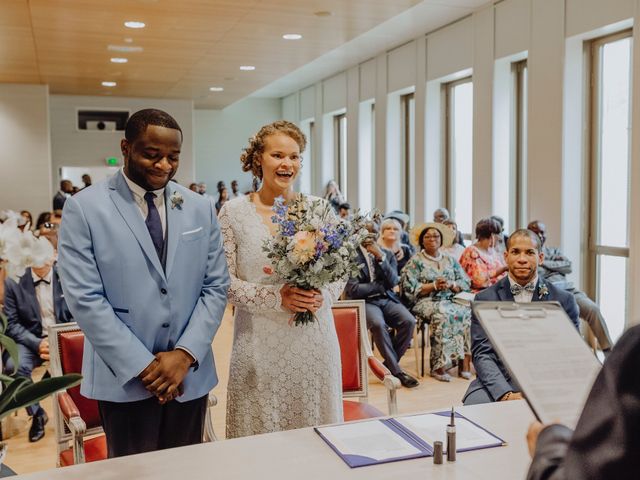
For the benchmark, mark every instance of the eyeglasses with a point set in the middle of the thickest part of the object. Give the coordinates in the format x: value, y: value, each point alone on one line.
x: 437, y: 237
x: 50, y: 226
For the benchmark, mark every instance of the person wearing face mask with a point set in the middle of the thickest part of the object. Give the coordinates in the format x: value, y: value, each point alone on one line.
x: 281, y: 376
x: 483, y: 264
x: 522, y: 285
x: 145, y: 276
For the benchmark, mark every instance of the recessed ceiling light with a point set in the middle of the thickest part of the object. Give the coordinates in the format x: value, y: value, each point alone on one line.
x: 109, y: 84
x: 118, y: 60
x: 247, y: 68
x: 124, y: 48
x: 216, y: 89
x: 292, y: 36
x: 134, y: 24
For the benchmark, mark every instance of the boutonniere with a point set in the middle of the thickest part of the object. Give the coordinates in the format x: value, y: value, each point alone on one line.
x: 176, y: 200
x: 543, y: 291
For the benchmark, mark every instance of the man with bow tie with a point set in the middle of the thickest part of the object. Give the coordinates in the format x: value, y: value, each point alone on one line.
x: 522, y: 285
x: 33, y: 303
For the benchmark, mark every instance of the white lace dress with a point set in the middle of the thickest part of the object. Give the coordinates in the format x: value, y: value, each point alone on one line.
x: 281, y: 376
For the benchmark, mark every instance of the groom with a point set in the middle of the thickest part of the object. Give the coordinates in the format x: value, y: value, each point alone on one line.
x: 144, y: 274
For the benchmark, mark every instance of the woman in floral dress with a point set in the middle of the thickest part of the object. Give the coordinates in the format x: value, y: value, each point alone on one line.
x: 482, y: 263
x: 429, y: 282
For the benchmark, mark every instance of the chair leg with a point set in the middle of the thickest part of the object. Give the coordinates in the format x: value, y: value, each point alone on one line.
x: 423, y: 347
x: 415, y: 350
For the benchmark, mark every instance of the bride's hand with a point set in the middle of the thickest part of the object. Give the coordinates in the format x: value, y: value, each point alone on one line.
x: 296, y: 299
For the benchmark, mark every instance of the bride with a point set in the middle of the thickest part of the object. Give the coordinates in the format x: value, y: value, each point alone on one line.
x: 281, y: 376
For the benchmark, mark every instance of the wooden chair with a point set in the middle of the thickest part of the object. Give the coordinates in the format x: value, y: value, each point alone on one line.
x: 77, y: 419
x: 357, y: 359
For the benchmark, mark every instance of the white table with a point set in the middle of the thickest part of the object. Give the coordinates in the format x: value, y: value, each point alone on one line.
x: 303, y: 455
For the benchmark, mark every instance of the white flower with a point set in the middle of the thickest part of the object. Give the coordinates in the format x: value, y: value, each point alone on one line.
x: 176, y: 200
x: 26, y: 251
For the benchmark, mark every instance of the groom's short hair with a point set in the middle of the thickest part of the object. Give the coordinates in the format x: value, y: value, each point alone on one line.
x: 138, y: 122
x: 523, y: 232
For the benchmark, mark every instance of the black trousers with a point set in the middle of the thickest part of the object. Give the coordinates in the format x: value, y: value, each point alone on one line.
x: 146, y: 426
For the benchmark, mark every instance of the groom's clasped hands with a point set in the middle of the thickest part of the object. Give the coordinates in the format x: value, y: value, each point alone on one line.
x: 164, y: 375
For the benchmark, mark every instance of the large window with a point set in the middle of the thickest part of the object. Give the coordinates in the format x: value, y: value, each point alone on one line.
x: 305, y: 176
x: 340, y: 151
x: 407, y: 174
x: 459, y: 152
x: 366, y: 155
x: 610, y: 155
x: 518, y: 217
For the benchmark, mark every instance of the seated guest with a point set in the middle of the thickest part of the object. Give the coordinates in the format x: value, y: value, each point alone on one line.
x: 555, y: 269
x: 344, y: 211
x: 86, y: 180
x: 457, y: 247
x: 390, y: 238
x: 403, y: 219
x: 223, y: 196
x: 480, y: 260
x: 31, y: 305
x: 333, y: 195
x: 522, y: 284
x: 28, y: 219
x: 501, y: 238
x: 66, y: 190
x: 193, y: 187
x: 606, y: 441
x: 235, y: 190
x: 429, y: 282
x: 440, y: 215
x: 375, y: 283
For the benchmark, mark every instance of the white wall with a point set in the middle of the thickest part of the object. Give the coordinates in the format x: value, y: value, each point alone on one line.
x: 71, y: 147
x: 220, y: 136
x: 25, y: 157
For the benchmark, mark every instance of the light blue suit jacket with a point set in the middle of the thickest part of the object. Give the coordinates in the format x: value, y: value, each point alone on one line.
x: 127, y: 305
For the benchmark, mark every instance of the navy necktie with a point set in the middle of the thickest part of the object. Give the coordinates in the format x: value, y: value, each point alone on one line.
x: 154, y: 225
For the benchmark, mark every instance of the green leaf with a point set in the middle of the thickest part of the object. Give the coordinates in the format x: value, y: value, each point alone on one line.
x: 4, y: 321
x: 28, y: 393
x: 12, y: 349
x: 6, y: 379
x: 8, y: 393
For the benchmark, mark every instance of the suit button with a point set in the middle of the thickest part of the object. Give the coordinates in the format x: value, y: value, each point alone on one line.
x: 163, y: 291
x: 165, y: 325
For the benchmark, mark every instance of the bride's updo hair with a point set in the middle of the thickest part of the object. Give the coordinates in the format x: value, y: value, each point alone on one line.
x: 251, y: 154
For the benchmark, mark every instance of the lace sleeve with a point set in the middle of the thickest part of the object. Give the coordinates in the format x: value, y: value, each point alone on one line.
x: 248, y: 296
x: 333, y: 291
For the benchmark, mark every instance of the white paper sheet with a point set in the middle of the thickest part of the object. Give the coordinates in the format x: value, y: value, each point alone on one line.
x: 371, y: 439
x: 431, y: 427
x: 546, y: 355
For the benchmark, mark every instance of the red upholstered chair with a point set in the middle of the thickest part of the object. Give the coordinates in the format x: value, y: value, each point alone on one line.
x: 357, y: 359
x: 76, y: 416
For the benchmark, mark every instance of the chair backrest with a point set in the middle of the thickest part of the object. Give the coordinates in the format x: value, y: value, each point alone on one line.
x: 66, y: 346
x: 351, y: 327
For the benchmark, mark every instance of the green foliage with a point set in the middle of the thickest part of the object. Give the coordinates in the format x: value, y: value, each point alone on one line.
x: 21, y: 392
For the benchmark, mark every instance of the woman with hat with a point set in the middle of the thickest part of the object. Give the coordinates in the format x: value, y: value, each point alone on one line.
x: 429, y: 282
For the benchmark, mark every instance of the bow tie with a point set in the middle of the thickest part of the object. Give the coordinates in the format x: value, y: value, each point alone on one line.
x: 517, y: 289
x: 42, y: 280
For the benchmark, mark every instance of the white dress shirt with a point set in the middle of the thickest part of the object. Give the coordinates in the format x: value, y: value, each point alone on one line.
x: 524, y: 296
x: 44, y: 294
x: 138, y: 196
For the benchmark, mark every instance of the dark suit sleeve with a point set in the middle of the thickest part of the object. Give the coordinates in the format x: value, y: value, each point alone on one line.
x: 15, y: 329
x: 571, y: 307
x: 606, y: 441
x: 485, y: 361
x: 358, y: 290
x: 387, y: 270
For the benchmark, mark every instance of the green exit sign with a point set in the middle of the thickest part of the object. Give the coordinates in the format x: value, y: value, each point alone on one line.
x: 112, y: 161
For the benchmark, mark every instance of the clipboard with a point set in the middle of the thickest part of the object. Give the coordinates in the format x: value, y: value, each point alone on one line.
x: 544, y: 354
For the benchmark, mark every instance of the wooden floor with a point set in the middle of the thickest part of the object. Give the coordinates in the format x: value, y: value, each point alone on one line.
x: 25, y: 457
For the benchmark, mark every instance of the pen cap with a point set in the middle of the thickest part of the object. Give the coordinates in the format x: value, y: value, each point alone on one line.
x: 437, y: 452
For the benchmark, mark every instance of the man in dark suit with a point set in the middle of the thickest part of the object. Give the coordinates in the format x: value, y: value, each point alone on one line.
x: 606, y: 441
x: 66, y: 189
x: 375, y: 283
x: 31, y: 305
x: 522, y: 285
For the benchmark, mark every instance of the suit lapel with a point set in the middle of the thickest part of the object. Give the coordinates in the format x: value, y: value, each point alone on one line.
x: 126, y: 205
x: 58, y: 297
x: 536, y: 295
x: 366, y: 268
x: 29, y: 287
x: 504, y: 290
x: 174, y: 226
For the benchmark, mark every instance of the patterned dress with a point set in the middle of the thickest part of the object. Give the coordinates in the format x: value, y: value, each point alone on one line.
x: 449, y: 322
x: 281, y: 376
x: 481, y: 267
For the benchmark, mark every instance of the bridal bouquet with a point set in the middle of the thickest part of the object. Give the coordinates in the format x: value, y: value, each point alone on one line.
x: 313, y: 246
